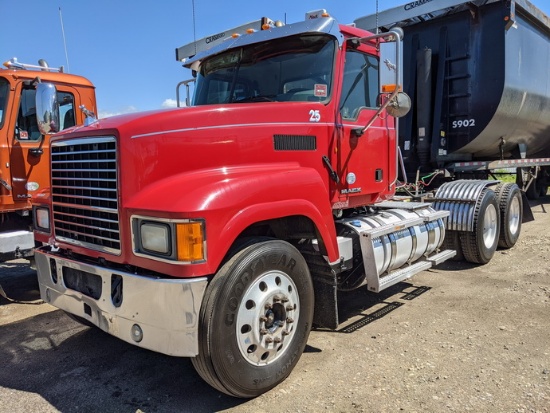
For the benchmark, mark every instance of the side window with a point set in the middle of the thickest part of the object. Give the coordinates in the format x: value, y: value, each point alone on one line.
x: 4, y: 88
x: 27, y: 126
x: 360, y: 84
x: 66, y: 110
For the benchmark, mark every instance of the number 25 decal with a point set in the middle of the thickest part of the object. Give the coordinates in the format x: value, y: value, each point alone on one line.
x: 314, y: 116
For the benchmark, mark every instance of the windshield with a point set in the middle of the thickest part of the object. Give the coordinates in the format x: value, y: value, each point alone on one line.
x: 290, y: 69
x: 4, y: 88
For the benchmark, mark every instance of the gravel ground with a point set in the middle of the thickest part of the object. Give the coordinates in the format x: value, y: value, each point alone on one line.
x: 459, y: 338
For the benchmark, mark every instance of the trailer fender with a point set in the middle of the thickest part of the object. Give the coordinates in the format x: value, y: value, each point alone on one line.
x: 474, y: 214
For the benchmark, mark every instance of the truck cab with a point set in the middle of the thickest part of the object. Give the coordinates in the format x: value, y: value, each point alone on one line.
x: 223, y: 231
x: 24, y: 150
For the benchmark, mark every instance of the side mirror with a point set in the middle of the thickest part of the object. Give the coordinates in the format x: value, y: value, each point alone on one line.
x: 185, y: 83
x: 47, y: 108
x: 399, y: 106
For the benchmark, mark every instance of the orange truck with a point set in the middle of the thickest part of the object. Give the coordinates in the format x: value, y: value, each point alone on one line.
x: 24, y: 151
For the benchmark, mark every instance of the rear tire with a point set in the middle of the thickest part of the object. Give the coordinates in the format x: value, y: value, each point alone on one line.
x: 255, y: 319
x: 480, y: 245
x: 511, y: 214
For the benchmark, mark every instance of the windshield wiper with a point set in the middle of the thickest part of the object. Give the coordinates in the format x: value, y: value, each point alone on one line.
x: 259, y: 98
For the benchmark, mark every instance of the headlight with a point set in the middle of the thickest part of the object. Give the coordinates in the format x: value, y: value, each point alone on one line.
x: 182, y: 241
x: 42, y: 219
x: 155, y: 237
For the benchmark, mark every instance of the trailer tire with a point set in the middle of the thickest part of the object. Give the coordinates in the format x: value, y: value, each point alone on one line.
x: 255, y: 319
x: 511, y: 214
x: 479, y: 245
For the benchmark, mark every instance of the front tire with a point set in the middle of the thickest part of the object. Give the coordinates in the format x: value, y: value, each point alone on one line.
x: 255, y: 319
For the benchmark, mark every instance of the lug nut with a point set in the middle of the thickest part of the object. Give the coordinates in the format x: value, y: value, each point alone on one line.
x: 285, y: 333
x: 263, y: 331
x: 276, y: 299
x: 284, y: 300
x: 289, y: 308
x: 277, y: 339
x: 289, y: 320
x: 268, y: 340
x: 267, y: 306
x: 263, y: 318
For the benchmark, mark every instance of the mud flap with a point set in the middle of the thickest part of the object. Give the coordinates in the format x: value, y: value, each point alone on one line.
x: 326, y: 302
x: 527, y: 213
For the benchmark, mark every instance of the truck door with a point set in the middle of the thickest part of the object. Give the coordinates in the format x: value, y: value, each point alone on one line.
x: 365, y: 162
x: 29, y: 150
x: 5, y: 180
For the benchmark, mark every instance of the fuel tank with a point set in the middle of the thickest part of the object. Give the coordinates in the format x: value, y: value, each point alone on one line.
x: 487, y: 63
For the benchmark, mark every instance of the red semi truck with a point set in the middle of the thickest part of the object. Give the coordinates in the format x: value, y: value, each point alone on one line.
x: 223, y: 231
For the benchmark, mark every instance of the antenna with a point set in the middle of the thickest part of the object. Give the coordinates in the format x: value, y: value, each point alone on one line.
x: 194, y: 29
x: 64, y: 41
x: 377, y: 31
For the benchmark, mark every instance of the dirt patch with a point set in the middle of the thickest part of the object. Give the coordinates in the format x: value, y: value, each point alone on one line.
x: 457, y: 338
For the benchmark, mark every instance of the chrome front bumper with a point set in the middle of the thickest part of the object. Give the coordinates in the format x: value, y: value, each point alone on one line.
x: 166, y: 311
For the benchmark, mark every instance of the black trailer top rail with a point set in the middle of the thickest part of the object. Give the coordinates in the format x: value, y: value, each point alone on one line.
x: 420, y: 11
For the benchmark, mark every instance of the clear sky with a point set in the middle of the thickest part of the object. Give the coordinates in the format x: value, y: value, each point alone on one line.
x: 127, y: 48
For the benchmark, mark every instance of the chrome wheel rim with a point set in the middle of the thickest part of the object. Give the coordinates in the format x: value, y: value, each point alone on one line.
x: 490, y: 226
x: 514, y: 216
x: 268, y: 313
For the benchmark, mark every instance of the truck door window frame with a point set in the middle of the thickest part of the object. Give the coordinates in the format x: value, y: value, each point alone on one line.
x: 359, y: 84
x: 26, y: 129
x: 4, y: 94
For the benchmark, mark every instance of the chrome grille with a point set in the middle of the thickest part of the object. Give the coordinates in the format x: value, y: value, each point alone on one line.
x: 84, y: 193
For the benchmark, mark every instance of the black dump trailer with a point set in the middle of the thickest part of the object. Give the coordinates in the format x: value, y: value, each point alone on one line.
x: 478, y: 74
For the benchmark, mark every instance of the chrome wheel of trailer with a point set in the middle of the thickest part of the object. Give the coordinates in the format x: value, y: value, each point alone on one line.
x: 490, y: 226
x: 255, y: 319
x: 479, y: 245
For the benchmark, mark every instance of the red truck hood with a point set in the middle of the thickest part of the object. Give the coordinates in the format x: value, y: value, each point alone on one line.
x: 159, y: 144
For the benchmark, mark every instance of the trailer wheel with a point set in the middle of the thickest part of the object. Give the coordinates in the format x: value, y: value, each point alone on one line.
x: 255, y: 319
x: 480, y: 245
x: 511, y: 214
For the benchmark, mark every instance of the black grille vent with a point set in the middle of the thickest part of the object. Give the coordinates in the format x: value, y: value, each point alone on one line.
x: 85, y: 282
x: 294, y: 142
x: 84, y: 193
